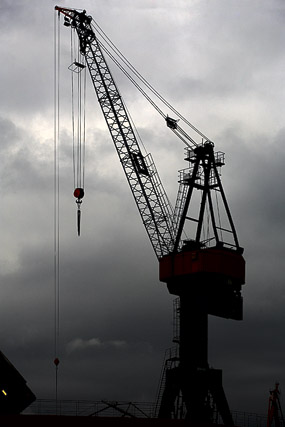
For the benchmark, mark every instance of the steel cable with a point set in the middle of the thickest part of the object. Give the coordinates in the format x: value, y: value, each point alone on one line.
x: 124, y: 60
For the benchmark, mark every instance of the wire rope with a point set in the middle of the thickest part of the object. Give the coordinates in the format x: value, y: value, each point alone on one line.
x: 72, y: 108
x: 56, y: 199
x: 78, y: 100
x: 78, y: 128
x: 131, y: 79
x: 181, y: 132
x: 84, y: 129
x: 117, y: 52
x: 78, y: 95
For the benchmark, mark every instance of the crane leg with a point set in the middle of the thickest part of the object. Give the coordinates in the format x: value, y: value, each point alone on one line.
x: 201, y: 387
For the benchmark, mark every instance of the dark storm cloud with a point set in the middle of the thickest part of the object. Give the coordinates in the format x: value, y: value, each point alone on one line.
x: 26, y: 159
x: 252, y: 352
x: 255, y: 179
x: 220, y: 62
x: 124, y: 378
x: 87, y: 285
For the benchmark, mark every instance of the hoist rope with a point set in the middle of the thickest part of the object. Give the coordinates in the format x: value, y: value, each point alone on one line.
x: 84, y: 129
x: 78, y: 95
x: 122, y: 58
x: 81, y: 127
x: 78, y: 130
x: 72, y: 109
x: 78, y: 101
x: 56, y: 198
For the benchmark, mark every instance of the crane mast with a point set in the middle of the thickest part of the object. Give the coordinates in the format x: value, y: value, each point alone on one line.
x: 206, y: 275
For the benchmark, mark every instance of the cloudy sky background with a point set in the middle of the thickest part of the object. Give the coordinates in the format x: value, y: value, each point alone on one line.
x: 221, y: 64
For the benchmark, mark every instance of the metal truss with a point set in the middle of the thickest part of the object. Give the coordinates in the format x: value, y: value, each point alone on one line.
x: 145, y: 184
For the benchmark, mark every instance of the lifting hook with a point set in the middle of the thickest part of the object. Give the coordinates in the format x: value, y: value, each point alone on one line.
x: 79, y: 194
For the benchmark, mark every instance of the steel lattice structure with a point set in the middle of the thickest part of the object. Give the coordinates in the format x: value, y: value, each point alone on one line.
x: 140, y: 171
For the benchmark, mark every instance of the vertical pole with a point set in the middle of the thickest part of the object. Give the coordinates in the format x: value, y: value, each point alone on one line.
x: 56, y: 368
x: 194, y: 354
x: 56, y: 362
x: 193, y: 332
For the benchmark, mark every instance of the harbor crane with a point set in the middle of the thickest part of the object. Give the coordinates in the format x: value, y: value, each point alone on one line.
x: 199, y: 255
x: 274, y: 414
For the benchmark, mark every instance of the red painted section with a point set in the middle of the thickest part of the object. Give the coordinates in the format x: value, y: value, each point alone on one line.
x: 215, y: 261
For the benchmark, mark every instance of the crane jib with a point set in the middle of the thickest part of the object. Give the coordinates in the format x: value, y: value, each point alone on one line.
x: 164, y: 227
x: 143, y: 178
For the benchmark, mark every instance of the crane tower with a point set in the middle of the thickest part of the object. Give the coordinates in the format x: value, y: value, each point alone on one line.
x: 196, y: 262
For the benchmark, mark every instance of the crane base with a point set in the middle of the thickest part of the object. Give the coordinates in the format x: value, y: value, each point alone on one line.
x: 202, y: 393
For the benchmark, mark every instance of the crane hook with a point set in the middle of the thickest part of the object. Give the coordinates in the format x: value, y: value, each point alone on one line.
x: 79, y: 194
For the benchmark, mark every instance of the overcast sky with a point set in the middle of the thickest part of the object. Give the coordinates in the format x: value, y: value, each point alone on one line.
x: 221, y: 64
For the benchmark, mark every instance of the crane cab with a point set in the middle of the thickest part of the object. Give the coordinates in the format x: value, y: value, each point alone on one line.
x: 214, y: 274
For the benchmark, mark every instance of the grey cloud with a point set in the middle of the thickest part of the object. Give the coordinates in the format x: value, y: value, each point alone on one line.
x: 78, y: 344
x: 217, y: 61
